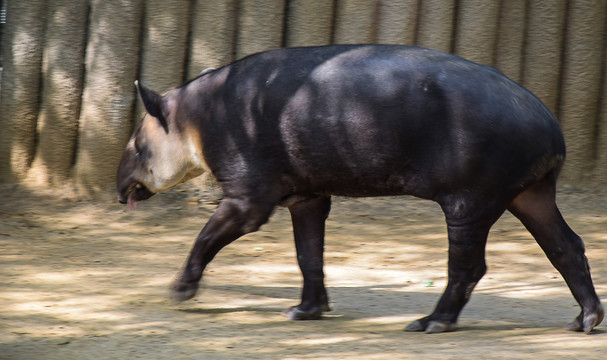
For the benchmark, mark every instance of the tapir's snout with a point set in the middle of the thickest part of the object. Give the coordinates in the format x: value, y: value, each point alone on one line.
x: 129, y: 188
x: 132, y: 192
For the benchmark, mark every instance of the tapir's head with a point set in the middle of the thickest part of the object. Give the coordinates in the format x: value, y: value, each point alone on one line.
x: 164, y: 150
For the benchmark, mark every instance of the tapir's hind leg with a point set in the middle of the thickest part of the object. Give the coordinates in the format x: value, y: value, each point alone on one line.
x: 537, y: 210
x: 468, y: 225
x: 308, y: 218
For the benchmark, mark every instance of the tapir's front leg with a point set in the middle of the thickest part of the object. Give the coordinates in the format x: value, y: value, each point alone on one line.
x: 232, y: 219
x: 308, y: 218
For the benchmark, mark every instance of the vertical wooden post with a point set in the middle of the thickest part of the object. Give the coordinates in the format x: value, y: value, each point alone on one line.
x: 600, y: 168
x: 309, y: 22
x: 435, y: 24
x: 213, y: 31
x: 164, y: 48
x: 63, y: 73
x: 397, y: 21
x: 354, y: 22
x: 511, y: 39
x: 112, y: 61
x: 476, y: 32
x: 543, y: 49
x: 23, y: 43
x: 260, y: 26
x: 582, y: 69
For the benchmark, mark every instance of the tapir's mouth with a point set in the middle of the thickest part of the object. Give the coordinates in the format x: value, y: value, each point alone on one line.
x: 135, y: 192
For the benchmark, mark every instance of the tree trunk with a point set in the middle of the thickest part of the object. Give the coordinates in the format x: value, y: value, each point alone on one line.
x: 397, y: 20
x: 476, y: 33
x: 600, y: 169
x: 213, y: 31
x: 22, y: 45
x: 260, y: 26
x: 543, y: 50
x: 164, y: 48
x: 63, y: 71
x: 581, y: 84
x: 112, y: 60
x: 309, y: 22
x: 435, y: 21
x: 511, y: 39
x: 354, y: 22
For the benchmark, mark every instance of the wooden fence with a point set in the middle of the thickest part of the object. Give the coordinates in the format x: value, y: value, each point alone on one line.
x: 68, y: 102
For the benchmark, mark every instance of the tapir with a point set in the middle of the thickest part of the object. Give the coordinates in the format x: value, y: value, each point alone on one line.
x: 294, y: 126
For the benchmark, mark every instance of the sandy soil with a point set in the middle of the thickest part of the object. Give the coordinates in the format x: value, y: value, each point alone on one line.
x: 89, y: 280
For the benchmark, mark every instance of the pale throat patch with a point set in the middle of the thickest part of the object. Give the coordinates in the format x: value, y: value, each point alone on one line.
x: 195, y: 150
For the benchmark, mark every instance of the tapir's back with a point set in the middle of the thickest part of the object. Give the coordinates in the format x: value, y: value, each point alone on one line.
x: 381, y: 120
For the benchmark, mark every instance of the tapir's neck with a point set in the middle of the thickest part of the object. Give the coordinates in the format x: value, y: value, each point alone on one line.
x: 198, y: 96
x: 195, y: 103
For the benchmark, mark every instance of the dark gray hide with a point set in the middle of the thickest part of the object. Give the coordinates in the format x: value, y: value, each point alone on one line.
x: 294, y: 126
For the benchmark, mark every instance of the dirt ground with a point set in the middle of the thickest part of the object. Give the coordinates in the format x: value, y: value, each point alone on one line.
x: 89, y: 280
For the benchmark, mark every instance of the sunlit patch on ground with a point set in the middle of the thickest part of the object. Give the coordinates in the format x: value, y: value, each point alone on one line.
x: 90, y: 280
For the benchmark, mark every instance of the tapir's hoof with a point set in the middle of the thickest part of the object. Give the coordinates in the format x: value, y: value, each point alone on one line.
x: 586, y: 322
x: 181, y: 291
x: 430, y: 327
x: 295, y: 313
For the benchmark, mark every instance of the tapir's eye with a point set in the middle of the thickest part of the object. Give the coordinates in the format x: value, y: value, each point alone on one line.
x: 137, y: 150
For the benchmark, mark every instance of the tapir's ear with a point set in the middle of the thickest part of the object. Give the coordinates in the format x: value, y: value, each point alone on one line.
x: 206, y: 71
x: 153, y: 104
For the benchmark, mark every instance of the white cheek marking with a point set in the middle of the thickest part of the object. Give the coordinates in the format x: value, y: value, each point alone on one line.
x: 194, y: 150
x: 198, y: 158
